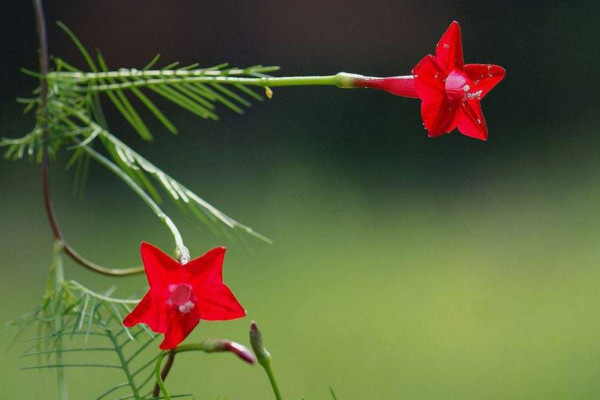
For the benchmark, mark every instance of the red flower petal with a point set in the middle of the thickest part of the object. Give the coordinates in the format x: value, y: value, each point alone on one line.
x: 429, y: 78
x: 207, y: 271
x: 484, y: 77
x: 398, y: 85
x: 151, y: 310
x: 437, y: 112
x: 180, y: 325
x: 160, y: 268
x: 439, y: 115
x: 471, y: 122
x: 449, y: 49
x: 219, y: 304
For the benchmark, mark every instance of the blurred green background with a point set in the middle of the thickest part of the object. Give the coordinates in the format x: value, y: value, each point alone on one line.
x: 402, y: 267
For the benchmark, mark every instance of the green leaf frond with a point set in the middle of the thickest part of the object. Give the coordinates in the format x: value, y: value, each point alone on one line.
x: 26, y: 146
x: 73, y: 117
x: 197, y: 90
x: 90, y: 326
x: 147, y: 176
x: 332, y: 392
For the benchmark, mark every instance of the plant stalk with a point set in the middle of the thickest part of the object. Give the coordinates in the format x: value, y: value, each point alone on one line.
x: 153, y: 78
x: 43, y: 59
x: 57, y: 267
x: 164, y: 373
x: 42, y: 118
x: 93, y: 82
x: 269, y: 371
x: 58, y: 281
x: 207, y: 346
x: 263, y: 357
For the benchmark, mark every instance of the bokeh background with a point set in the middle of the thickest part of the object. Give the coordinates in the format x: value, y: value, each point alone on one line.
x: 402, y: 267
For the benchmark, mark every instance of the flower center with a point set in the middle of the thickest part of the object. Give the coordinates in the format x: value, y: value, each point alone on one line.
x: 181, y: 297
x: 458, y: 88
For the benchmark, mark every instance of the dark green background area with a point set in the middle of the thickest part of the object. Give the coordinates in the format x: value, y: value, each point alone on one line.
x: 403, y: 267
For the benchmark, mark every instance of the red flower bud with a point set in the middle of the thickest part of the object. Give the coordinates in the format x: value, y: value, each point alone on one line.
x: 241, y: 351
x: 221, y: 345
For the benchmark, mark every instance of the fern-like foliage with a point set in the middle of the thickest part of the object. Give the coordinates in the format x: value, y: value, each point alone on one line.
x: 73, y: 118
x: 197, y: 90
x: 73, y: 323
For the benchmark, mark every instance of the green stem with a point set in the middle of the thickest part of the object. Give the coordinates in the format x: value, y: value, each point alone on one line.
x: 58, y: 278
x: 207, y: 346
x: 163, y: 375
x: 263, y: 356
x: 151, y: 78
x: 269, y: 371
x: 159, y: 379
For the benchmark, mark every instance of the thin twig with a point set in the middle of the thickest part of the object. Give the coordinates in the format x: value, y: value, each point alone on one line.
x: 84, y: 262
x: 42, y: 117
x: 43, y: 58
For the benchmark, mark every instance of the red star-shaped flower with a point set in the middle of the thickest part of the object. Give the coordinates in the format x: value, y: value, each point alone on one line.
x: 181, y: 295
x: 450, y: 91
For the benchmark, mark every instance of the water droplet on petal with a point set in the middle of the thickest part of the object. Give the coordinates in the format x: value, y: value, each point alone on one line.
x: 466, y: 88
x: 446, y: 46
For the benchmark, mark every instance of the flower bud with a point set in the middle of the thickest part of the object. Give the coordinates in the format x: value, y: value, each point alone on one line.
x: 262, y: 354
x: 219, y: 345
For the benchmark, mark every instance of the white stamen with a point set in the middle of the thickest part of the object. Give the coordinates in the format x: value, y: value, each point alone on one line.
x: 474, y: 95
x: 186, y: 307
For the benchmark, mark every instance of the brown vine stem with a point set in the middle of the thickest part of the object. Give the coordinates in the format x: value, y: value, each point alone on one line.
x: 42, y: 117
